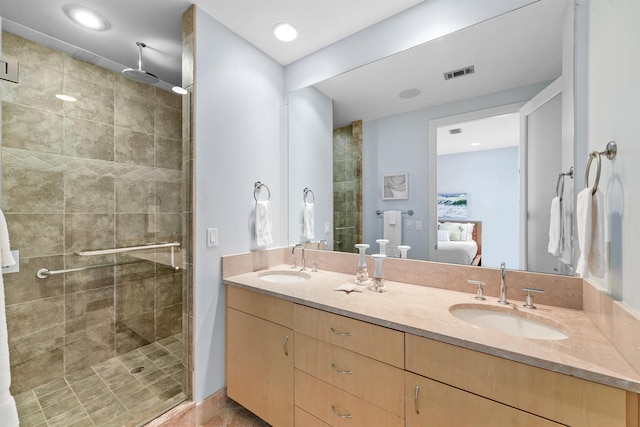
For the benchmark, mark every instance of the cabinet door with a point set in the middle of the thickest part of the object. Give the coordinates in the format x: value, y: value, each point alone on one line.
x: 260, y: 367
x: 430, y: 403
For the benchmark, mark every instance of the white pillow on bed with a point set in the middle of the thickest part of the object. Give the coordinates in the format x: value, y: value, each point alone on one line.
x: 443, y: 235
x: 466, y: 232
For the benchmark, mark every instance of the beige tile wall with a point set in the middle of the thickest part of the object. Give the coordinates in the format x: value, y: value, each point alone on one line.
x: 105, y: 171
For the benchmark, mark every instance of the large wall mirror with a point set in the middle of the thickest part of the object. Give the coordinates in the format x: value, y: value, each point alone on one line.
x: 472, y: 128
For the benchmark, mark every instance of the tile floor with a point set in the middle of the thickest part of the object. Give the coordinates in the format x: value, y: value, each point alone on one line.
x: 110, y: 394
x: 235, y: 415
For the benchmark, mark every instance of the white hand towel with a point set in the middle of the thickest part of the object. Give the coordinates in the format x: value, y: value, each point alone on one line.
x: 596, y: 255
x: 8, y: 411
x: 6, y: 259
x: 307, y: 215
x: 264, y: 234
x: 393, y: 232
x: 590, y: 222
x: 555, y: 224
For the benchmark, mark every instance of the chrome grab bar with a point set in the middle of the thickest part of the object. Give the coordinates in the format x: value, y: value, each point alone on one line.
x: 43, y: 273
x: 128, y: 249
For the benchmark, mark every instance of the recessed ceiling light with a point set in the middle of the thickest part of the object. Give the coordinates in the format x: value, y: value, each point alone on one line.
x: 285, y: 32
x: 473, y: 144
x: 66, y: 98
x: 409, y: 93
x: 86, y: 17
x: 179, y: 90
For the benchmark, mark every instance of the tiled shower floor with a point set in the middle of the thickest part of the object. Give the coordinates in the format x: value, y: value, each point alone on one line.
x: 109, y: 394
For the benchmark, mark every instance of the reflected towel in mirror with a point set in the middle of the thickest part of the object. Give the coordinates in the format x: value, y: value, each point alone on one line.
x: 307, y: 214
x: 393, y: 232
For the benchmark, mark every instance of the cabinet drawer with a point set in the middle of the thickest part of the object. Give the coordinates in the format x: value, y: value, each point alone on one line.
x: 339, y: 408
x: 561, y: 398
x: 430, y: 403
x: 369, y: 379
x: 377, y: 342
x: 266, y: 307
x: 305, y: 419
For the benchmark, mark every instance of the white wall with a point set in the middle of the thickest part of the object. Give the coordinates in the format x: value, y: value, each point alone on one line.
x: 490, y: 179
x: 311, y: 148
x: 239, y: 132
x: 401, y: 143
x: 614, y: 114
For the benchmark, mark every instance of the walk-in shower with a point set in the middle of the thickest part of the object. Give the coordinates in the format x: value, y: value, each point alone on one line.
x: 100, y: 338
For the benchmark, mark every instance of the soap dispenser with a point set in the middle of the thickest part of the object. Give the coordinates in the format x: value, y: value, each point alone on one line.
x: 362, y: 275
x: 377, y: 284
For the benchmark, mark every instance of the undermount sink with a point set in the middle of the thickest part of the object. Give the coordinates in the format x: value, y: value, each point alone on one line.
x: 284, y: 276
x: 507, y: 321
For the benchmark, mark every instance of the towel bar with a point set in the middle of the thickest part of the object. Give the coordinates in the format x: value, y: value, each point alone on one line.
x: 409, y: 212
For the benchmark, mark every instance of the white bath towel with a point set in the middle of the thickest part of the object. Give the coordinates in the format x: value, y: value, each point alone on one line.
x: 393, y: 232
x: 264, y: 234
x: 6, y: 259
x: 555, y: 227
x: 590, y: 223
x: 8, y: 411
x: 307, y: 215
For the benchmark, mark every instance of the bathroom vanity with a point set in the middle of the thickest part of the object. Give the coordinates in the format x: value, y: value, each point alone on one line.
x: 300, y: 353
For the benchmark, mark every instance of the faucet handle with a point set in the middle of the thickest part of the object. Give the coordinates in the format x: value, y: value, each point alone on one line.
x: 480, y: 291
x: 314, y: 265
x: 528, y: 302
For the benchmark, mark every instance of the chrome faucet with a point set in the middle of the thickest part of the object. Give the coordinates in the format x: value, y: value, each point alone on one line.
x: 503, y: 285
x: 321, y: 242
x: 301, y: 246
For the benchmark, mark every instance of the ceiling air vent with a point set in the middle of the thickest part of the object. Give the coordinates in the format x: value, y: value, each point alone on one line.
x: 455, y: 131
x: 459, y: 73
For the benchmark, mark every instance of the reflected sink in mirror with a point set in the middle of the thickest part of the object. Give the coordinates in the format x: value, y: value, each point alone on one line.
x: 507, y: 321
x: 284, y: 276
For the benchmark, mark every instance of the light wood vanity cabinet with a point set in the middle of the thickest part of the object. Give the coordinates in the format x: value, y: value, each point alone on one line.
x: 431, y: 403
x: 290, y: 363
x: 564, y: 399
x: 259, y: 353
x: 348, y: 372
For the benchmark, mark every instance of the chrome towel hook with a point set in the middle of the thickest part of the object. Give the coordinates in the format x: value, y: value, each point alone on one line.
x: 610, y: 151
x: 256, y: 190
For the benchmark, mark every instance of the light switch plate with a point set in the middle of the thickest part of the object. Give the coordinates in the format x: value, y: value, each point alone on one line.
x: 212, y: 237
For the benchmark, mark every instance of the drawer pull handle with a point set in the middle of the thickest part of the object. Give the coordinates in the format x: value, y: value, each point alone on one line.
x: 342, y: 334
x: 340, y: 371
x: 415, y: 400
x: 335, y: 411
x: 284, y: 345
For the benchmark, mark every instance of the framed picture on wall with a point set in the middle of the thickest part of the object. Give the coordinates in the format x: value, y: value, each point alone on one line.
x: 395, y: 186
x: 452, y: 205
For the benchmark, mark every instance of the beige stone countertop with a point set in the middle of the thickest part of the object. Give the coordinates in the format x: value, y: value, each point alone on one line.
x: 424, y: 311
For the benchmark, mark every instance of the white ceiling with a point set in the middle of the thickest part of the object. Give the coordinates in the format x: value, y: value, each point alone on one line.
x: 490, y: 133
x: 515, y: 49
x: 158, y: 24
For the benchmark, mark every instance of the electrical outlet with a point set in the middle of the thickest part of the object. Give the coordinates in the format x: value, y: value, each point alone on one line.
x: 418, y: 225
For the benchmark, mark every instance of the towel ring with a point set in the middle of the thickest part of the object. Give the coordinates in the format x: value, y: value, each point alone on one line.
x: 256, y: 189
x: 560, y: 182
x: 593, y: 155
x: 610, y: 151
x: 305, y: 193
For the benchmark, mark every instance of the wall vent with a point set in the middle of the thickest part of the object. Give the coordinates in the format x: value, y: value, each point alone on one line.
x: 459, y: 72
x: 455, y: 131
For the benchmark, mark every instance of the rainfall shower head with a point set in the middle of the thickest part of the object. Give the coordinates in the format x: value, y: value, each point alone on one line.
x: 139, y: 75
